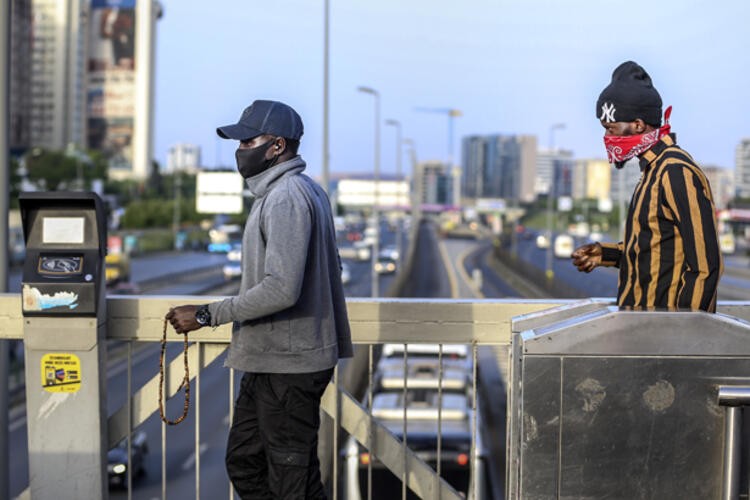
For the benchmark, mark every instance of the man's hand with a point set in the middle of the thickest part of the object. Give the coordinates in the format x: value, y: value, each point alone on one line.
x: 587, y: 257
x: 183, y: 318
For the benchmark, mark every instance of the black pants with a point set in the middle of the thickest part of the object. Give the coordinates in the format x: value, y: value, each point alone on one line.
x: 272, y: 451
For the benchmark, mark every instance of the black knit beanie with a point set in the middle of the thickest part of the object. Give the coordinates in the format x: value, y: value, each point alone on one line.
x: 630, y: 96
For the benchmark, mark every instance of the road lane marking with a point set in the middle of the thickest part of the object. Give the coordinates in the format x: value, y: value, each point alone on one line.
x: 190, y: 461
x: 462, y: 271
x: 449, y: 268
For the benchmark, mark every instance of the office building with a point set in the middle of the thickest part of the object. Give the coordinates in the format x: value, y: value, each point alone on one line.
x: 58, y: 58
x: 183, y: 158
x: 553, y: 164
x: 742, y: 169
x: 721, y: 181
x: 20, y: 76
x: 434, y: 184
x: 498, y: 167
x: 592, y: 180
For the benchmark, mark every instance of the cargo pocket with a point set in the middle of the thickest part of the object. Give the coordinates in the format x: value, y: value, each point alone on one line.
x: 289, y: 458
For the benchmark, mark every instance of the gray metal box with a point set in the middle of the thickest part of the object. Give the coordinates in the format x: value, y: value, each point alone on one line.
x: 621, y: 404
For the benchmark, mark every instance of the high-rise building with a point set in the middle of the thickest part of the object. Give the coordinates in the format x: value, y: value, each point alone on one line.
x: 58, y: 47
x: 623, y: 183
x: 554, y: 168
x: 499, y: 166
x: 742, y: 169
x: 20, y: 76
x: 120, y: 84
x: 434, y: 183
x: 183, y: 158
x: 721, y: 181
x: 592, y: 179
x: 548, y: 164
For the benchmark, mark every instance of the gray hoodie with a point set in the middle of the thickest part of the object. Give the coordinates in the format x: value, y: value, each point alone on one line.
x: 290, y: 313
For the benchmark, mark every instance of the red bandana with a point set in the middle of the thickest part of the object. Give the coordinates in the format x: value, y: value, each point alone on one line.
x: 622, y: 148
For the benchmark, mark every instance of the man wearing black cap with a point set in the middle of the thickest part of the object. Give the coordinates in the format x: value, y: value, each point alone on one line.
x: 290, y: 318
x: 669, y: 257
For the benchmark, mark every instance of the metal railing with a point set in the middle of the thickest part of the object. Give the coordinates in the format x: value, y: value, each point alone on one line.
x: 374, y: 322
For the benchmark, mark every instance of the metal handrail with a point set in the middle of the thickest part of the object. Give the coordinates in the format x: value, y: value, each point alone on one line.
x: 373, y: 321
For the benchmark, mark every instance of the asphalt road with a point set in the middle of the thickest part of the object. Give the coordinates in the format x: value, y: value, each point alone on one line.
x: 432, y: 278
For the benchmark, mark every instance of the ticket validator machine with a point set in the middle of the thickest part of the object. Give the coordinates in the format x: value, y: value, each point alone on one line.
x: 64, y: 309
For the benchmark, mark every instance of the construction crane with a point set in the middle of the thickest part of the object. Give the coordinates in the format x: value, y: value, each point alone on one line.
x: 451, y: 113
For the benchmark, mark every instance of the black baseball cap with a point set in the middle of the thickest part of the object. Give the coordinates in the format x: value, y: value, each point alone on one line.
x: 264, y: 117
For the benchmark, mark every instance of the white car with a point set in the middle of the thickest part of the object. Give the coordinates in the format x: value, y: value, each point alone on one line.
x: 233, y: 269
x: 346, y: 274
x: 389, y: 252
x: 542, y: 241
x: 564, y: 246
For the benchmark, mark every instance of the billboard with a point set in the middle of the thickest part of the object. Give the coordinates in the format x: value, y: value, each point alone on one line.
x: 111, y: 81
x: 219, y: 193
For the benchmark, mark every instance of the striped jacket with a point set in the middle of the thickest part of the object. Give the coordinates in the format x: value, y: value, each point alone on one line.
x: 670, y: 256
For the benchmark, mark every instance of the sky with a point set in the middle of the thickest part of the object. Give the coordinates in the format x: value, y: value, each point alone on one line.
x: 509, y: 66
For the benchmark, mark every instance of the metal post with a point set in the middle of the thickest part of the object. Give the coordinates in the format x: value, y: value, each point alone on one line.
x: 733, y: 398
x: 414, y: 199
x: 176, y: 215
x: 399, y: 238
x: 732, y: 451
x: 376, y: 245
x: 143, y: 119
x: 4, y: 174
x: 326, y: 29
x: 550, y: 195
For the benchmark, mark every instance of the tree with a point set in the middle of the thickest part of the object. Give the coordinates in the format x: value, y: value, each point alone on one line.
x: 14, y: 182
x: 50, y: 169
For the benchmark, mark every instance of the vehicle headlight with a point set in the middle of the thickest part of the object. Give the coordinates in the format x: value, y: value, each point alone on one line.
x: 119, y: 468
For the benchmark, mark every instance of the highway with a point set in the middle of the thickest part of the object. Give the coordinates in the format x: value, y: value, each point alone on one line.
x: 443, y: 268
x: 185, y: 273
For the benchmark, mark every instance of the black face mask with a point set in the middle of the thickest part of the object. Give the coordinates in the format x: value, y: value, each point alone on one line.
x: 252, y: 161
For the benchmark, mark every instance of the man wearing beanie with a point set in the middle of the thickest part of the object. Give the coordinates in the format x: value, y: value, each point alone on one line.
x: 669, y: 257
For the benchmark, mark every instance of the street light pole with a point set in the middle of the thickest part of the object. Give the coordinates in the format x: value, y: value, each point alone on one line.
x: 550, y: 195
x: 414, y: 200
x: 4, y: 203
x: 399, y: 229
x: 376, y: 244
x: 326, y: 29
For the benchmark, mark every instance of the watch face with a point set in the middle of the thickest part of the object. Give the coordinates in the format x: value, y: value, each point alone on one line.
x: 202, y: 316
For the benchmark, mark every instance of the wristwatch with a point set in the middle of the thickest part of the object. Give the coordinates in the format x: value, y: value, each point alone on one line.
x: 203, y: 315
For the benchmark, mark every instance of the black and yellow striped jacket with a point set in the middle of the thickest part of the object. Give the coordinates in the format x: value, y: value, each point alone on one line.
x: 670, y: 255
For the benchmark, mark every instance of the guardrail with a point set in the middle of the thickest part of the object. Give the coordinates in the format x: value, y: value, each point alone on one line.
x: 374, y: 322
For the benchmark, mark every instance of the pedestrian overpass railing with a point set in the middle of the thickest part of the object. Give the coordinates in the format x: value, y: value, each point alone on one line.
x: 374, y: 322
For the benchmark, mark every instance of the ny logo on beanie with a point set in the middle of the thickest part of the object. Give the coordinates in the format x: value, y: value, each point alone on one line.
x: 608, y: 112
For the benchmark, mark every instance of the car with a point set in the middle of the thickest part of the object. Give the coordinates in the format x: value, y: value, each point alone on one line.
x: 233, y: 269
x: 727, y: 243
x: 385, y: 266
x: 595, y: 236
x: 358, y: 251
x: 389, y: 252
x: 346, y: 273
x: 117, y: 460
x: 563, y: 246
x: 542, y: 241
x: 454, y: 430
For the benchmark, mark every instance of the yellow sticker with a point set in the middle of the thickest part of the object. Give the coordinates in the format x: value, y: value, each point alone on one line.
x: 61, y: 372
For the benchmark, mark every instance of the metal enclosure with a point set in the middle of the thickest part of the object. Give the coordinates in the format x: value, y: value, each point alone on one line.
x: 64, y: 330
x: 621, y: 404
